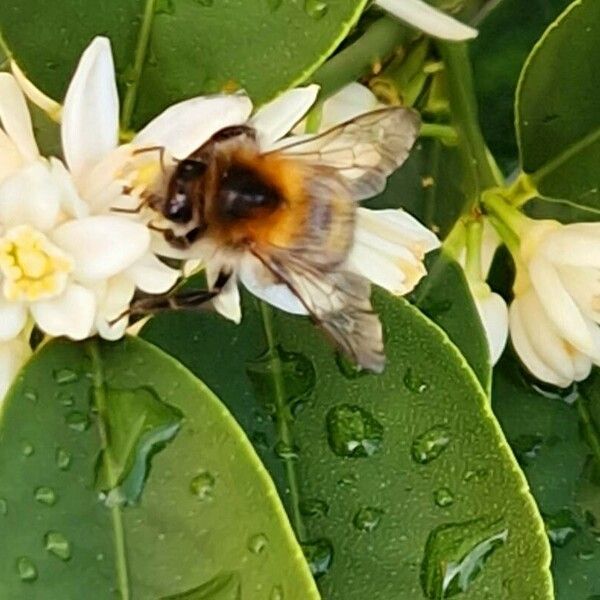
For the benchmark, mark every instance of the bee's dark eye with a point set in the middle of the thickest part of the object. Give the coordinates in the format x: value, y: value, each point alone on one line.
x: 178, y: 208
x: 190, y: 169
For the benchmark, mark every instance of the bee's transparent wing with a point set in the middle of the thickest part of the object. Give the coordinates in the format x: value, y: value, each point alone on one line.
x: 364, y: 151
x: 338, y: 301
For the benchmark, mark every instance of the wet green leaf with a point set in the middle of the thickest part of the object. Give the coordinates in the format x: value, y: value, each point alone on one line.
x: 558, y: 108
x: 549, y: 430
x: 374, y: 459
x: 165, y: 522
x: 195, y: 46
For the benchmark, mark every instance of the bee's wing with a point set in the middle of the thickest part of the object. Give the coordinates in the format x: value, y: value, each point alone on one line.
x: 338, y: 301
x: 364, y: 151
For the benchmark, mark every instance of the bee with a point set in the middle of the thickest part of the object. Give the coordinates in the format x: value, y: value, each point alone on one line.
x: 294, y: 210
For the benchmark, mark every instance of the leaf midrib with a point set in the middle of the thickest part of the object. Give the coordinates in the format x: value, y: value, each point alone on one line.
x: 99, y: 393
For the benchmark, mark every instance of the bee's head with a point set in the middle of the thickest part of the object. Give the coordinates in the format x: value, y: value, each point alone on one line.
x: 185, y: 186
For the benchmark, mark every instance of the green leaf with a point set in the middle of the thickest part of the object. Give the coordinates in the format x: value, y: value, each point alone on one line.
x: 543, y: 426
x: 558, y: 108
x: 167, y: 50
x: 392, y: 482
x: 122, y: 473
x: 444, y: 296
x: 505, y: 38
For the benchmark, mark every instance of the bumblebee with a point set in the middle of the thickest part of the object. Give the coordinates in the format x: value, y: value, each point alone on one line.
x: 294, y: 210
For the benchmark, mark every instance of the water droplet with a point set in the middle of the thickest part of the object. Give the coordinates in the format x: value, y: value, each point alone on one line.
x: 475, y: 475
x: 299, y: 379
x: 367, y: 518
x: 63, y: 459
x: 273, y: 5
x: 319, y: 555
x: 443, y: 497
x: 257, y: 544
x: 30, y: 395
x: 526, y: 447
x: 3, y: 506
x: 63, y: 376
x: 349, y: 369
x: 202, y: 486
x: 65, y: 398
x: 429, y: 445
x: 204, y: 2
x: 286, y: 452
x: 45, y: 495
x: 455, y: 554
x: 561, y: 527
x: 28, y: 449
x: 164, y: 7
x: 57, y: 544
x: 276, y: 593
x: 26, y: 569
x: 77, y: 421
x: 413, y: 383
x: 353, y: 432
x: 316, y: 8
x: 585, y: 554
x: 313, y: 507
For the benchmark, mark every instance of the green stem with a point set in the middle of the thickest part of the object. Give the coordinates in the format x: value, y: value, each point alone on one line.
x: 464, y: 111
x: 354, y: 62
x: 99, y: 392
x: 138, y: 64
x: 4, y: 49
x: 522, y: 190
x: 444, y: 133
x: 284, y: 432
x: 455, y: 240
x: 473, y: 255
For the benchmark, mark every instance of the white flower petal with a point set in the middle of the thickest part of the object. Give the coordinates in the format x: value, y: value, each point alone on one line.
x: 102, y: 246
x: 227, y: 303
x: 348, y: 103
x: 90, y: 120
x: 70, y: 201
x: 30, y: 196
x: 560, y: 307
x: 432, y: 21
x: 259, y: 281
x: 71, y: 314
x: 184, y: 127
x: 569, y: 246
x: 10, y: 157
x: 494, y: 316
x: 15, y: 118
x: 526, y: 352
x: 152, y: 276
x: 47, y: 104
x: 13, y: 356
x: 13, y: 317
x: 115, y: 302
x: 279, y: 116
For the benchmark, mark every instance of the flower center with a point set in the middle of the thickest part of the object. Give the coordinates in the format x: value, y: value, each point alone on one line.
x: 33, y: 267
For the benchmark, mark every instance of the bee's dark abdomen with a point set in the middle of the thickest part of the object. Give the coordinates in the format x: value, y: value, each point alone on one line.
x: 243, y: 194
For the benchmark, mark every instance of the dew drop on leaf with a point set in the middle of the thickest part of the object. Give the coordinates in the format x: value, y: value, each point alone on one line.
x: 319, y: 554
x: 64, y: 376
x: 286, y: 451
x: 257, y: 544
x: 77, y: 421
x: 202, y: 486
x: 3, y: 506
x: 26, y: 569
x: 30, y: 395
x: 367, y: 519
x: 455, y: 554
x: 561, y: 527
x: 313, y: 507
x: 57, y: 544
x: 443, y: 497
x: 45, y: 495
x: 28, y: 449
x: 63, y: 459
x: 353, y: 432
x: 273, y: 5
x: 413, y: 383
x: 204, y: 2
x: 349, y: 369
x: 430, y: 444
x: 316, y: 8
x: 277, y: 593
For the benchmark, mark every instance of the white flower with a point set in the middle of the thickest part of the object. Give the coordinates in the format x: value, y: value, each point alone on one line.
x: 422, y: 16
x: 389, y: 245
x: 556, y: 311
x: 491, y: 307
